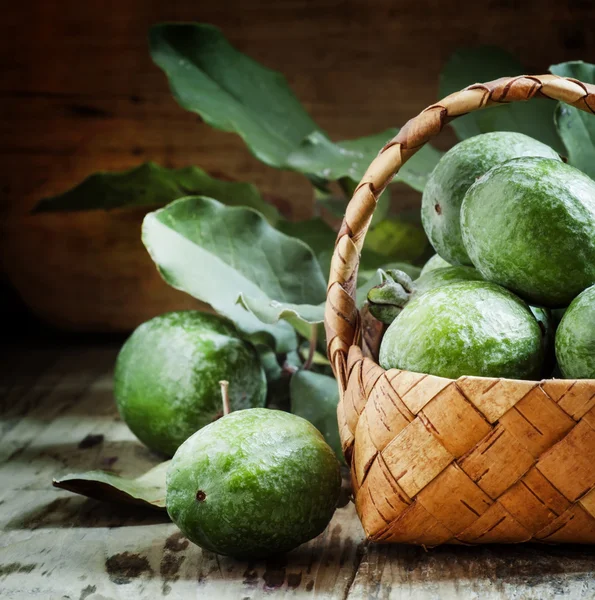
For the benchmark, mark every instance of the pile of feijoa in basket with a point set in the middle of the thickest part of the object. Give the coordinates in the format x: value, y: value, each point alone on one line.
x: 511, y: 290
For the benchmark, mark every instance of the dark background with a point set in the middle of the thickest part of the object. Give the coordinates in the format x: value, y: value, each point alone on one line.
x: 80, y: 93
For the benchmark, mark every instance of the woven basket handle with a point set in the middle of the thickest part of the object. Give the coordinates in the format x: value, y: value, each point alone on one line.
x: 341, y: 318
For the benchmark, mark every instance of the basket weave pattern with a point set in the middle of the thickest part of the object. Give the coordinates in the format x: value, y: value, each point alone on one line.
x: 476, y: 460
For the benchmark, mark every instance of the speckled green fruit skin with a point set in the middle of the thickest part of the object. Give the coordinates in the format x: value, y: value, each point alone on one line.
x: 436, y: 262
x: 445, y: 276
x: 254, y: 483
x: 167, y: 375
x: 454, y: 174
x: 529, y: 225
x: 467, y: 328
x: 575, y: 338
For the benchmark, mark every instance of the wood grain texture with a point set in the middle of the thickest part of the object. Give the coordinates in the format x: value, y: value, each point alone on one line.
x: 79, y: 92
x: 57, y: 545
x: 87, y: 270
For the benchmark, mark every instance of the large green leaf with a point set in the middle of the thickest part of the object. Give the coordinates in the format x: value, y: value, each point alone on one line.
x: 152, y: 185
x: 234, y: 93
x: 317, y: 234
x: 315, y: 397
x: 230, y: 91
x: 416, y: 171
x: 478, y: 65
x: 303, y: 316
x: 147, y: 490
x: 350, y: 158
x: 335, y: 205
x: 215, y: 253
x: 576, y: 127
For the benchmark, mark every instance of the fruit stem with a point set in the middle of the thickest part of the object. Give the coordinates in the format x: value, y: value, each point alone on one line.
x: 312, y: 349
x: 225, y: 396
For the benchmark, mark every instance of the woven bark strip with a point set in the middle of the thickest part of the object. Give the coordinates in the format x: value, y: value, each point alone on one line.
x: 477, y: 460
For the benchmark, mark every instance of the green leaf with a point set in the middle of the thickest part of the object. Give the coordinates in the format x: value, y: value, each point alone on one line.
x: 315, y: 397
x: 317, y: 234
x: 303, y: 317
x: 395, y: 240
x: 333, y: 161
x: 147, y: 490
x: 317, y: 154
x: 148, y: 185
x: 576, y: 127
x: 335, y: 204
x: 269, y: 362
x: 577, y: 130
x: 271, y: 311
x: 215, y: 253
x: 483, y: 64
x: 230, y: 91
x: 278, y: 377
x: 234, y: 93
x: 416, y: 171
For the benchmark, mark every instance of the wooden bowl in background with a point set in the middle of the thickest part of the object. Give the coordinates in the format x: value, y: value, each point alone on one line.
x: 87, y: 270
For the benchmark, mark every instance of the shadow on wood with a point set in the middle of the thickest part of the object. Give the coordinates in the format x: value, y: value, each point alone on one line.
x: 76, y: 511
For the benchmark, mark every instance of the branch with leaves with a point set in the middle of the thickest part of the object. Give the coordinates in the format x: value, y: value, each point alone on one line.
x: 223, y: 244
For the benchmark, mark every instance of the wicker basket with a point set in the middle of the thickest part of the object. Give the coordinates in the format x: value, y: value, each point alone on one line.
x: 477, y: 460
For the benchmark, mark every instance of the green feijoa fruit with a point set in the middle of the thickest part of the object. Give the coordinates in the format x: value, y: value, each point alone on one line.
x: 254, y: 483
x: 445, y: 276
x: 465, y: 328
x: 575, y: 338
x: 386, y: 301
x: 436, y: 262
x: 455, y: 173
x: 167, y: 375
x: 529, y: 225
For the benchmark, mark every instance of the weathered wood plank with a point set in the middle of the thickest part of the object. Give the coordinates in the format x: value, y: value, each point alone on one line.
x: 65, y: 544
x: 521, y: 572
x: 54, y: 542
x: 45, y: 397
x: 58, y: 545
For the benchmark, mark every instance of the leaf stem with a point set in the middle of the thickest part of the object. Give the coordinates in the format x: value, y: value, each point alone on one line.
x: 225, y: 396
x: 312, y: 348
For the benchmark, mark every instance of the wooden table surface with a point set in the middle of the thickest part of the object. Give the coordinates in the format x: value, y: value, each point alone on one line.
x: 55, y: 545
